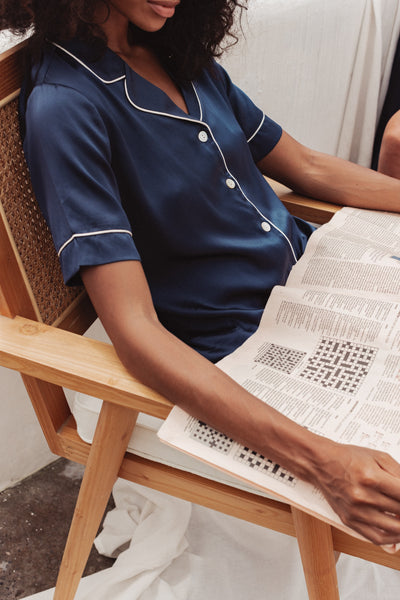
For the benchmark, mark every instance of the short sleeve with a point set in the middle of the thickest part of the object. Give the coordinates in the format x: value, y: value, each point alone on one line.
x: 70, y: 161
x: 262, y: 133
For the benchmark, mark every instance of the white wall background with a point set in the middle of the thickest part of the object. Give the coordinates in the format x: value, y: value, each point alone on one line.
x: 320, y: 68
x: 23, y: 449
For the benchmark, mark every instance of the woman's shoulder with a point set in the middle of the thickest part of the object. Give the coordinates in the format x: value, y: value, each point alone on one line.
x: 62, y: 83
x: 215, y: 77
x: 74, y: 66
x: 58, y: 93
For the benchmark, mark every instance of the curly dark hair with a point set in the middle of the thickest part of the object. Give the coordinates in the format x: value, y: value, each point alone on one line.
x: 199, y: 31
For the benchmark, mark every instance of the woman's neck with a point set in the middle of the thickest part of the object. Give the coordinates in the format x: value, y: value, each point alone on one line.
x: 116, y: 28
x: 140, y: 58
x: 144, y: 62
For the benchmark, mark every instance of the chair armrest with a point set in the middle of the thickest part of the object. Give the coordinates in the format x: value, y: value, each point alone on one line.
x: 308, y: 209
x: 74, y: 362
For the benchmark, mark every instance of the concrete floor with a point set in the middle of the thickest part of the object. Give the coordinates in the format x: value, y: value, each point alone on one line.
x: 34, y: 520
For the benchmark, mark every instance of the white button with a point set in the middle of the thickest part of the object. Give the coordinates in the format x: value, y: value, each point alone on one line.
x: 203, y: 137
x: 230, y: 183
x: 266, y: 226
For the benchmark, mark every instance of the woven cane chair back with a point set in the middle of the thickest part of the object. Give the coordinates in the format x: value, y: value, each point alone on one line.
x: 35, y: 274
x: 27, y: 226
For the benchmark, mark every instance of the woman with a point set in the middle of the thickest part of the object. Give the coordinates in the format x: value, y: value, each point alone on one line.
x: 148, y: 164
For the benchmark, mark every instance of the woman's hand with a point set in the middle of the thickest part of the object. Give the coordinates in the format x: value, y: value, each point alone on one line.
x: 363, y: 488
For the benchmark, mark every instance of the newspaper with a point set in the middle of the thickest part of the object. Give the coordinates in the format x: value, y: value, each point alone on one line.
x: 326, y: 354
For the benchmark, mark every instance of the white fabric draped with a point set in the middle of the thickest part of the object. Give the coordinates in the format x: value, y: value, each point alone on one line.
x: 174, y: 551
x: 320, y: 68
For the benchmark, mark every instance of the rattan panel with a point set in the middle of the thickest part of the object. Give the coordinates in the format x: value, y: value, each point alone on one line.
x: 31, y: 235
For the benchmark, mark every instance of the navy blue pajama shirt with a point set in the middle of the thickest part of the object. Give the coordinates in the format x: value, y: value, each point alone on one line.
x: 121, y: 173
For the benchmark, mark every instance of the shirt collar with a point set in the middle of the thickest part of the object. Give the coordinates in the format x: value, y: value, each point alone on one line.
x: 147, y: 97
x: 107, y: 66
x: 110, y: 68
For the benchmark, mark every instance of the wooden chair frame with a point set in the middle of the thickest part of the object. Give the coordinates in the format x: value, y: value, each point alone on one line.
x: 55, y: 354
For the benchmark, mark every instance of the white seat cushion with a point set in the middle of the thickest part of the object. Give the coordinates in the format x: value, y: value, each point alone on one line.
x: 145, y: 443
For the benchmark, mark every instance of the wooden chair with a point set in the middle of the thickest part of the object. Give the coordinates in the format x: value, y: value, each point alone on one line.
x: 41, y: 327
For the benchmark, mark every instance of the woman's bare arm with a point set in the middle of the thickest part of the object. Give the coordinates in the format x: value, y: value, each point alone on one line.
x: 329, y: 178
x: 362, y: 486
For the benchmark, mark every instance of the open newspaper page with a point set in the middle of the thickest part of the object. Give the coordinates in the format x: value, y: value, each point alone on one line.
x: 358, y: 251
x: 326, y: 354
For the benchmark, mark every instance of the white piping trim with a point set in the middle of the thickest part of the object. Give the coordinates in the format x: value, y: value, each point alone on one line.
x: 157, y: 112
x: 252, y: 203
x: 198, y: 100
x: 126, y: 91
x: 257, y: 130
x: 89, y: 234
x: 86, y: 67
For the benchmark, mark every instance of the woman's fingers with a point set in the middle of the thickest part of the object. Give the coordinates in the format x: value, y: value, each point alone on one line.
x: 363, y: 487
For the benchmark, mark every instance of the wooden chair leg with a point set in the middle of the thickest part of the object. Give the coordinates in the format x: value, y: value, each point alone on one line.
x: 112, y: 435
x: 314, y: 538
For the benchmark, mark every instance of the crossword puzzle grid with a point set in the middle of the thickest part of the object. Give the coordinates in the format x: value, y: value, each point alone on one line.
x: 265, y: 465
x: 218, y: 441
x: 339, y: 365
x: 211, y: 437
x: 279, y: 357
